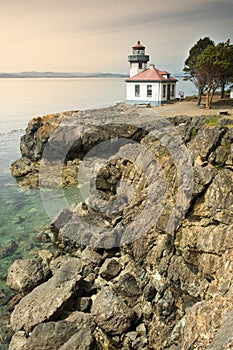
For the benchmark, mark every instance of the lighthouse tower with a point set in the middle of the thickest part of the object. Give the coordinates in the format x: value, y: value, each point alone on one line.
x: 138, y: 60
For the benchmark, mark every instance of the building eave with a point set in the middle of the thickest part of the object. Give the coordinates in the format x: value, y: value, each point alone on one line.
x: 151, y: 81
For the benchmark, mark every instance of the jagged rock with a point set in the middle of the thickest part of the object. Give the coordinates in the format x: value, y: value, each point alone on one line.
x: 50, y: 335
x: 110, y: 269
x: 81, y: 340
x: 84, y: 338
x: 149, y: 292
x: 127, y: 287
x: 206, y: 141
x: 90, y: 258
x: 62, y: 260
x: 203, y: 175
x: 166, y: 303
x: 84, y: 304
x: 48, y: 299
x: 6, y: 331
x: 61, y: 219
x: 223, y: 338
x: 218, y: 199
x: 22, y: 167
x: 184, y: 275
x: 27, y: 274
x: 203, y: 321
x: 111, y: 313
x: 81, y: 319
x: 18, y: 341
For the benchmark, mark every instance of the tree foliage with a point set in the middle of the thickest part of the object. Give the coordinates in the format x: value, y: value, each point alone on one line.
x: 190, y: 69
x: 209, y: 67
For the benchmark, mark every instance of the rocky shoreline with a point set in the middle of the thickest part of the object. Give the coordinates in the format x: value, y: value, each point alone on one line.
x: 167, y: 287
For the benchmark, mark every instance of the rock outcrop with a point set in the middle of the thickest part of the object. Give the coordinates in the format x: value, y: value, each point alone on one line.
x: 159, y: 280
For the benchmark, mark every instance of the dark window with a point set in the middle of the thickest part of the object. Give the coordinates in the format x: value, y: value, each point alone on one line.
x: 173, y: 90
x: 140, y: 65
x: 164, y: 90
x: 137, y: 90
x: 149, y: 90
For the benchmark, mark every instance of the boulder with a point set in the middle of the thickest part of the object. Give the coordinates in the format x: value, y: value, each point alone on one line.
x: 81, y: 319
x: 91, y: 258
x: 49, y: 336
x: 18, y: 341
x: 111, y: 313
x: 24, y: 275
x: 22, y: 167
x: 61, y: 219
x: 81, y: 340
x: 127, y: 287
x: 110, y: 269
x: 47, y: 300
x: 60, y: 262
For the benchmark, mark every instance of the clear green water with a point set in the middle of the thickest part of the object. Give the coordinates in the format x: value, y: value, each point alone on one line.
x: 22, y: 213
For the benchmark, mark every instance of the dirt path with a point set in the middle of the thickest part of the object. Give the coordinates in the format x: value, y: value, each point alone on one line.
x: 190, y: 108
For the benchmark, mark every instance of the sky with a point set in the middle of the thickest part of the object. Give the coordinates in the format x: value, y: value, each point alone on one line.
x: 97, y: 36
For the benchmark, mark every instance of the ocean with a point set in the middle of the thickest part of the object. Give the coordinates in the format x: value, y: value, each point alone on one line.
x: 21, y: 210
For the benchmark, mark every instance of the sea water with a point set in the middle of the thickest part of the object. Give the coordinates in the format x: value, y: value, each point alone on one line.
x: 21, y: 210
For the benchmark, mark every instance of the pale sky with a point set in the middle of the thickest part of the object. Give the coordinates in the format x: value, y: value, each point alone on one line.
x: 97, y: 36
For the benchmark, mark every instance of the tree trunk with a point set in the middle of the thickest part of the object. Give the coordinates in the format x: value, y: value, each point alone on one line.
x: 211, y: 98
x: 223, y: 89
x: 199, y: 98
x: 207, y: 100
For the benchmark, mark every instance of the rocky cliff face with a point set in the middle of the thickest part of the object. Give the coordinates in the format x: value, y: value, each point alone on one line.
x: 162, y: 280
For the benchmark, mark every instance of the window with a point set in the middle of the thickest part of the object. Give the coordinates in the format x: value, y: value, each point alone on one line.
x: 140, y: 65
x: 149, y: 90
x: 173, y: 90
x: 137, y: 90
x: 164, y: 90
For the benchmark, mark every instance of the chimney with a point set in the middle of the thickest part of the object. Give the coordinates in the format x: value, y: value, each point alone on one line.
x: 152, y: 66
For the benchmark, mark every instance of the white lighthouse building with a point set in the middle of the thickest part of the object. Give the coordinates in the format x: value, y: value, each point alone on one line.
x: 148, y: 85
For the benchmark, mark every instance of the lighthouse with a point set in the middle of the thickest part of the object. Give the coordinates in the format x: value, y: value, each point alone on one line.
x: 138, y: 59
x: 148, y: 85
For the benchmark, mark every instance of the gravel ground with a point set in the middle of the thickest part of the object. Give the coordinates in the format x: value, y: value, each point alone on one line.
x: 190, y: 108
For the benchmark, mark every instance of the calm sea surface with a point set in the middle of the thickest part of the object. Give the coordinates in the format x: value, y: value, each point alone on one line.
x: 21, y: 210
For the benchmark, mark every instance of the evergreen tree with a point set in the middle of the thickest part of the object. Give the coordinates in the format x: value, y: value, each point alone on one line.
x: 214, y: 64
x: 190, y: 69
x: 227, y: 72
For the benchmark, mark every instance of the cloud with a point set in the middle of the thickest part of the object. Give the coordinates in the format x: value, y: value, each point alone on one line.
x: 61, y: 28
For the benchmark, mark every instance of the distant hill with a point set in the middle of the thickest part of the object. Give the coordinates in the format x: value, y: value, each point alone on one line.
x: 62, y: 75
x: 179, y: 75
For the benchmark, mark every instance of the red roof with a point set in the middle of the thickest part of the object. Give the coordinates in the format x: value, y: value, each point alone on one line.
x: 151, y: 74
x: 138, y: 46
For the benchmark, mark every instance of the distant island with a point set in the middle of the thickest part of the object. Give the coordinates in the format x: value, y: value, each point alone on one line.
x: 68, y: 75
x: 62, y: 75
